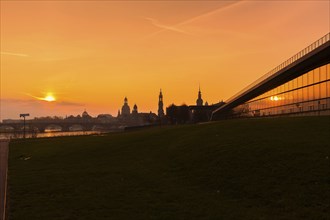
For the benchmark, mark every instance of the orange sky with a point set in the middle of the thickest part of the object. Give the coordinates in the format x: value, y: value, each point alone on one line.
x: 91, y: 54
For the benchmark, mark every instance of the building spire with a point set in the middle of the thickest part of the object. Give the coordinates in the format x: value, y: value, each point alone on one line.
x: 160, y: 104
x: 199, y: 101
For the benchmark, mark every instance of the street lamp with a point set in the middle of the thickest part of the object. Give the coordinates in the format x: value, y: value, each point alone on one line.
x: 24, y: 115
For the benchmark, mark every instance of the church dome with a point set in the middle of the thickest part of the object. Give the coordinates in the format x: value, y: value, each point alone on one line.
x: 135, y: 109
x: 85, y: 114
x: 125, y: 110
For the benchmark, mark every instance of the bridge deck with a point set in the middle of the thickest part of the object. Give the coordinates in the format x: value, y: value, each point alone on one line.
x: 315, y: 55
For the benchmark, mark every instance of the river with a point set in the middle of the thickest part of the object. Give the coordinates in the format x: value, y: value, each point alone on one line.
x: 15, y: 135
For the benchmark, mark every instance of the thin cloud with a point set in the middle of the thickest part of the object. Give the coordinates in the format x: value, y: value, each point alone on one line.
x: 34, y: 102
x: 39, y: 98
x: 175, y: 27
x: 70, y: 104
x: 16, y: 100
x: 14, y: 54
x: 165, y: 27
x: 21, y: 102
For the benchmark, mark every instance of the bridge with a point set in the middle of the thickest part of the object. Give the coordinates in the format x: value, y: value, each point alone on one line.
x: 63, y: 125
x: 313, y: 56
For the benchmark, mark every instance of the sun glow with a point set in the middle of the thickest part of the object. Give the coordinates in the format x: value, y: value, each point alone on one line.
x: 49, y: 98
x: 276, y: 98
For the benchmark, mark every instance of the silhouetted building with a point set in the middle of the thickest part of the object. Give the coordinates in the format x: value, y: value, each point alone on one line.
x: 128, y: 119
x: 85, y: 115
x: 178, y: 114
x: 199, y: 101
x: 105, y: 118
x: 148, y: 118
x: 160, y: 105
x: 135, y: 110
x: 125, y: 110
x: 299, y: 86
x: 204, y: 112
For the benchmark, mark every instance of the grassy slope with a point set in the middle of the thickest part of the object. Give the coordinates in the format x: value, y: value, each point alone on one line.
x: 236, y: 169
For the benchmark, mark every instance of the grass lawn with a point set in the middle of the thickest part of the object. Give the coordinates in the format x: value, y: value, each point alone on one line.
x: 274, y: 168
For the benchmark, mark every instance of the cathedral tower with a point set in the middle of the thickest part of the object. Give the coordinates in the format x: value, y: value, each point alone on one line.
x: 160, y: 105
x: 199, y: 101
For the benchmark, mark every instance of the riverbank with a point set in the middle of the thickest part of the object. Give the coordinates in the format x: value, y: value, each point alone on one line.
x: 272, y: 168
x: 11, y: 135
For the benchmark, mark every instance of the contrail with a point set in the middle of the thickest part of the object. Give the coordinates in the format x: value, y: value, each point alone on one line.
x: 175, y: 27
x: 165, y: 27
x: 14, y: 54
x: 209, y: 13
x: 36, y: 97
x: 48, y: 98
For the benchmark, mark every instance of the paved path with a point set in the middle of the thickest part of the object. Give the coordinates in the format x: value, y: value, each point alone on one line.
x: 3, y: 176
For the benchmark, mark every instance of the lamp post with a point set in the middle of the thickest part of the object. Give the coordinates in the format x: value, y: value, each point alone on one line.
x: 24, y: 115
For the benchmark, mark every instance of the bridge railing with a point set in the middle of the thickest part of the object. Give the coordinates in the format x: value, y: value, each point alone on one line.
x: 310, y: 48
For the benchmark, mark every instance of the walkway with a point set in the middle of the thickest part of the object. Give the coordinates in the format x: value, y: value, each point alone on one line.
x: 3, y: 176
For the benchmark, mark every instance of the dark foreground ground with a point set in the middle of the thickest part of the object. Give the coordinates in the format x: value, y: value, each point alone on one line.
x: 3, y: 176
x: 275, y: 168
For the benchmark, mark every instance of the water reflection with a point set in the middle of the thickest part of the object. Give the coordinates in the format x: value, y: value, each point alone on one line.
x: 53, y: 128
x: 50, y: 133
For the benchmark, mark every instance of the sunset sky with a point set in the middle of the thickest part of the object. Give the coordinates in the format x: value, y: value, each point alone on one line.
x: 91, y: 54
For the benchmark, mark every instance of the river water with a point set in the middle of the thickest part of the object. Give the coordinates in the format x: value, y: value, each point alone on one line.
x: 13, y: 135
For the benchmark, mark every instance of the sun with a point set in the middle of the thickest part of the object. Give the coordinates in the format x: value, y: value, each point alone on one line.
x: 49, y: 98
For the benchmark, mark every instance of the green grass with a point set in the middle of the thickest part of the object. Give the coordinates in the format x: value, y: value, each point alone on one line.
x: 277, y: 168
